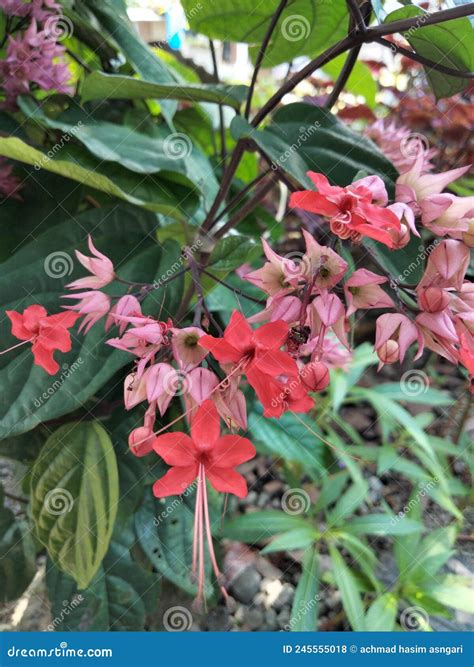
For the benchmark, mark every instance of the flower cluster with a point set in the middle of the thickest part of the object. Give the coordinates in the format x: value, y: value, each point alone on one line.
x: 33, y: 56
x: 283, y: 353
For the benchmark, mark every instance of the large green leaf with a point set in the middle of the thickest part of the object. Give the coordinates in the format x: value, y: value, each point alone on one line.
x: 142, y: 57
x: 117, y: 599
x: 74, y: 489
x: 449, y: 44
x: 381, y: 615
x: 306, y: 27
x: 303, y: 137
x: 289, y: 438
x: 382, y: 524
x: 100, y: 86
x: 17, y: 554
x: 346, y: 583
x: 38, y: 274
x: 360, y: 82
x: 304, y: 612
x: 259, y: 526
x: 165, y: 532
x: 174, y: 199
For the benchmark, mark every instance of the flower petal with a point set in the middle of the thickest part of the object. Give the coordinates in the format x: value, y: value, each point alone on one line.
x: 272, y: 335
x: 226, y: 480
x: 205, y: 426
x: 176, y: 481
x: 231, y: 451
x: 176, y: 449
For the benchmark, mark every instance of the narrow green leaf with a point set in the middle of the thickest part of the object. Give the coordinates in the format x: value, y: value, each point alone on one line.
x: 304, y: 612
x: 344, y: 580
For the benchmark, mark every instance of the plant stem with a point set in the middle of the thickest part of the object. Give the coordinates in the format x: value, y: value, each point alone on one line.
x: 261, y: 53
x: 343, y: 77
x: 419, y: 21
x: 240, y: 195
x: 221, y: 108
x: 246, y: 208
x: 238, y: 291
x: 225, y: 184
x: 424, y: 61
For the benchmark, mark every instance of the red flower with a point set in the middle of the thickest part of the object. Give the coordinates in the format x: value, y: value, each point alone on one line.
x: 256, y: 352
x: 350, y: 210
x: 218, y: 455
x: 204, y: 455
x: 47, y: 333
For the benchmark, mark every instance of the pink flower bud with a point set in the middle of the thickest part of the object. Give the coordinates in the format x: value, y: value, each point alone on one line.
x: 315, y: 376
x: 389, y: 352
x: 140, y: 441
x: 433, y: 299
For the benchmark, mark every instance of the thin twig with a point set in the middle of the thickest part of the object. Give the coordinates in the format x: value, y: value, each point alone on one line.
x: 424, y: 61
x: 356, y: 14
x: 238, y: 291
x: 261, y: 53
x: 240, y: 195
x: 221, y: 108
x: 343, y: 77
x: 419, y: 21
x: 246, y: 208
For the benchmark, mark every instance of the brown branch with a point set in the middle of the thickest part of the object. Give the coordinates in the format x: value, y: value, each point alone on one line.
x: 343, y: 77
x: 261, y: 53
x: 419, y: 21
x: 221, y: 108
x: 240, y: 195
x: 424, y: 61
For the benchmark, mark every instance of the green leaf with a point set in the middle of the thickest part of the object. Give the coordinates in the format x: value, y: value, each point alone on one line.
x: 17, y: 555
x: 74, y: 488
x: 303, y: 137
x: 38, y: 273
x: 298, y: 538
x: 382, y: 613
x: 454, y: 592
x: 405, y: 265
x: 143, y: 58
x: 382, y: 524
x: 289, y: 439
x: 345, y: 581
x: 349, y: 502
x: 306, y: 27
x: 155, y: 195
x: 259, y: 526
x: 362, y: 554
x: 360, y: 82
x: 164, y: 530
x: 304, y: 612
x: 331, y: 489
x: 448, y: 43
x: 233, y: 251
x: 100, y: 86
x: 427, y: 396
x: 117, y: 599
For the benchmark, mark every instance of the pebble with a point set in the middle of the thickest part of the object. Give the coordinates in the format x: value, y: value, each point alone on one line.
x: 246, y: 585
x: 254, y: 618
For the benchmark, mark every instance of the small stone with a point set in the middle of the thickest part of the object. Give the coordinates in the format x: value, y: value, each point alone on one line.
x: 246, y: 585
x: 263, y: 500
x: 254, y: 619
x: 375, y: 483
x: 284, y: 618
x: 273, y: 486
x: 252, y: 498
x: 271, y: 620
